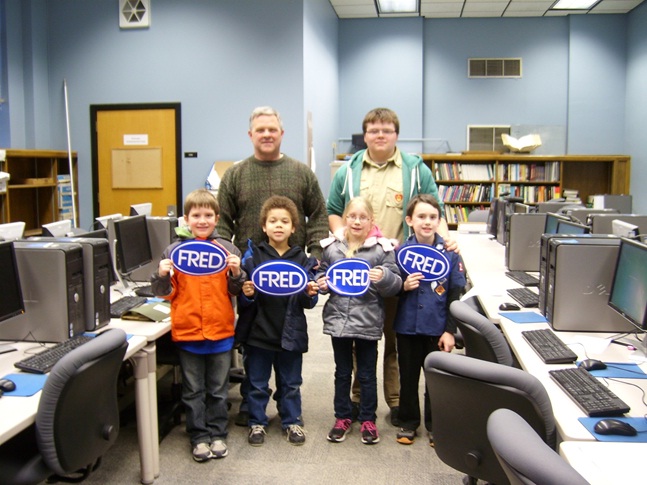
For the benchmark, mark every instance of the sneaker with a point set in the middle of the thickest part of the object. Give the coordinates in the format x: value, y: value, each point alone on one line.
x: 395, y: 412
x: 369, y: 433
x: 296, y: 434
x: 431, y: 439
x: 201, y: 452
x: 218, y: 449
x: 354, y: 411
x: 340, y: 430
x: 256, y: 435
x: 242, y: 418
x: 406, y: 436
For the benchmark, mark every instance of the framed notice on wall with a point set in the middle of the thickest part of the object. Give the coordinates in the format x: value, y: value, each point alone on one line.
x: 137, y: 168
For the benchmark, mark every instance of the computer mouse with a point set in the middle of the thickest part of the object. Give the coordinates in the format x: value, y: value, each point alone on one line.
x: 614, y: 427
x: 7, y: 386
x: 509, y: 307
x: 592, y: 364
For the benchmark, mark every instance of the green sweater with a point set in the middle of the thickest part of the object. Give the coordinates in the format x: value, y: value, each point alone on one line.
x: 245, y: 187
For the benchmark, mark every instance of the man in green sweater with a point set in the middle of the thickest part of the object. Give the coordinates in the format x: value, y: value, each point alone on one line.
x: 246, y: 185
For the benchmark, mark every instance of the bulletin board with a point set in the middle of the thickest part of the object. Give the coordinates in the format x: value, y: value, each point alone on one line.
x: 137, y: 168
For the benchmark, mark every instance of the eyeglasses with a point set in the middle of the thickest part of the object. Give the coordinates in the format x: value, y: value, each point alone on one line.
x: 374, y: 132
x: 353, y: 218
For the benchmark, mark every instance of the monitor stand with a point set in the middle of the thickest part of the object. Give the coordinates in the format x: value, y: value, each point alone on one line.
x: 126, y: 290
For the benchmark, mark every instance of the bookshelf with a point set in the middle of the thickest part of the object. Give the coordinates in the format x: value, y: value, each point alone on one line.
x: 39, y: 190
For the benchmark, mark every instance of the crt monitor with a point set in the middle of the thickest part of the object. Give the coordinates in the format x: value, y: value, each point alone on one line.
x: 11, y: 231
x: 143, y: 209
x: 552, y: 219
x: 58, y: 228
x: 11, y: 302
x: 132, y: 245
x: 628, y: 294
x: 571, y: 228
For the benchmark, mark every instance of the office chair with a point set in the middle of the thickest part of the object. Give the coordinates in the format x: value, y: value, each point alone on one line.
x: 524, y: 457
x: 464, y: 392
x: 77, y: 419
x: 481, y: 338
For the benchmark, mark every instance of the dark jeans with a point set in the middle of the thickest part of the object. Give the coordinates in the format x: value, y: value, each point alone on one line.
x: 412, y: 351
x: 244, y: 386
x: 205, y: 383
x: 366, y: 356
x: 288, y: 366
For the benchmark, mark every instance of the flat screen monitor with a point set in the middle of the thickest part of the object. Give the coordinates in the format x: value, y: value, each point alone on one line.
x: 97, y: 233
x: 492, y: 218
x: 132, y: 245
x: 552, y: 220
x: 12, y: 231
x: 11, y: 302
x: 628, y: 294
x: 520, y: 208
x: 103, y: 220
x: 571, y: 228
x: 58, y: 229
x: 144, y: 209
x: 625, y: 229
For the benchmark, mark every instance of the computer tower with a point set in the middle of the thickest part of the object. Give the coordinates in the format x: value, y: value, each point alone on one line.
x: 603, y: 223
x: 97, y: 269
x: 580, y: 278
x: 161, y: 233
x: 505, y: 207
x: 523, y: 241
x: 51, y: 278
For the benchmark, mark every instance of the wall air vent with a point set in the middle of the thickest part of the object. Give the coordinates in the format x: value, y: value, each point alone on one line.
x: 486, y: 138
x: 500, y: 68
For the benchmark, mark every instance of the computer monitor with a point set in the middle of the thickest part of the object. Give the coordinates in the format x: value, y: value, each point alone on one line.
x: 625, y: 229
x: 492, y: 219
x: 11, y: 302
x: 144, y: 209
x: 572, y: 228
x: 131, y: 245
x: 97, y: 233
x: 58, y: 228
x: 11, y: 231
x: 103, y: 220
x: 552, y: 220
x: 520, y: 208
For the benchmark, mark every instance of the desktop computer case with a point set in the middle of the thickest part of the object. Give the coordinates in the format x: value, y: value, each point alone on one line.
x: 161, y: 233
x: 97, y: 269
x: 523, y: 241
x: 580, y: 278
x: 51, y: 278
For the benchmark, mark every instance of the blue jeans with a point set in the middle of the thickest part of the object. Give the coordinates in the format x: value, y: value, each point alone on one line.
x: 288, y: 367
x: 366, y: 356
x: 205, y: 384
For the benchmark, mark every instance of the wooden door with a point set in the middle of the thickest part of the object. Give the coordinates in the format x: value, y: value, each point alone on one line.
x: 136, y: 158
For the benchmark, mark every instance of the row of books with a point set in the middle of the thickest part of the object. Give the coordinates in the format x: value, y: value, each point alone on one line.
x: 464, y: 171
x: 459, y: 213
x: 529, y: 172
x: 466, y: 193
x: 531, y: 193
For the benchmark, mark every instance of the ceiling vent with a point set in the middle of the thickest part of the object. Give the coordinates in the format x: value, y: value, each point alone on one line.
x: 499, y: 68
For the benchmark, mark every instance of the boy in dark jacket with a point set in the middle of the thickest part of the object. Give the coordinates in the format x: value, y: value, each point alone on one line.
x: 274, y: 328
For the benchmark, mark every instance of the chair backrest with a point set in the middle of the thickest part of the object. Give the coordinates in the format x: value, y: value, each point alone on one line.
x: 78, y: 412
x: 524, y: 457
x: 464, y: 392
x: 481, y: 338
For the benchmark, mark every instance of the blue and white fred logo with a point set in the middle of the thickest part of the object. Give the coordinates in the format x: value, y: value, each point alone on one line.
x: 199, y: 258
x: 425, y: 259
x: 349, y: 277
x: 279, y: 278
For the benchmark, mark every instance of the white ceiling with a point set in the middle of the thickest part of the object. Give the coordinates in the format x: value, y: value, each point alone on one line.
x: 479, y: 8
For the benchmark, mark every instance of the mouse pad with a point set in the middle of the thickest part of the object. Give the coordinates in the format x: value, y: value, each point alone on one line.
x: 620, y: 370
x: 524, y: 317
x: 639, y: 423
x: 26, y: 384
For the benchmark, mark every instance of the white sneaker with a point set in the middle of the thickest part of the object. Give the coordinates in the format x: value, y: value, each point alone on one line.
x: 218, y: 449
x: 201, y: 452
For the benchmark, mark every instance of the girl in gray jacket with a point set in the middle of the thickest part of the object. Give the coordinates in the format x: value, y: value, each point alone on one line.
x: 356, y: 320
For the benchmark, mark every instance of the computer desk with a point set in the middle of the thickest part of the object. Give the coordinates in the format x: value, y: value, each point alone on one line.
x: 485, y: 266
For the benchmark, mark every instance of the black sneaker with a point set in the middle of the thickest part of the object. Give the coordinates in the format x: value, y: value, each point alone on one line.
x: 395, y: 412
x: 296, y: 434
x: 369, y: 433
x: 339, y: 431
x: 242, y: 418
x: 406, y: 436
x: 256, y: 435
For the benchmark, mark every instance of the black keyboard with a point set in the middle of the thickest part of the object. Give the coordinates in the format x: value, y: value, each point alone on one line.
x: 589, y: 393
x: 549, y: 346
x: 144, y: 290
x: 125, y: 303
x: 43, y: 362
x: 524, y: 296
x: 523, y: 278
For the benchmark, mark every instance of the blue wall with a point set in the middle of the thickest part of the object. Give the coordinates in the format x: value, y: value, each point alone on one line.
x: 583, y: 77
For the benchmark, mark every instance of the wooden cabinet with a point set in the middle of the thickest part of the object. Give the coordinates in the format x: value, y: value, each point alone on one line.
x: 39, y: 190
x: 467, y: 182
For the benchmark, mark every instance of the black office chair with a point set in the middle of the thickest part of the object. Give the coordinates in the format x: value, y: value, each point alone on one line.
x: 481, y: 338
x: 464, y: 392
x: 77, y: 419
x: 524, y: 457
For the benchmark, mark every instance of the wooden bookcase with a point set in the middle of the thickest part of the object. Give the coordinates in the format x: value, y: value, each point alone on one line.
x: 39, y: 189
x: 470, y: 181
